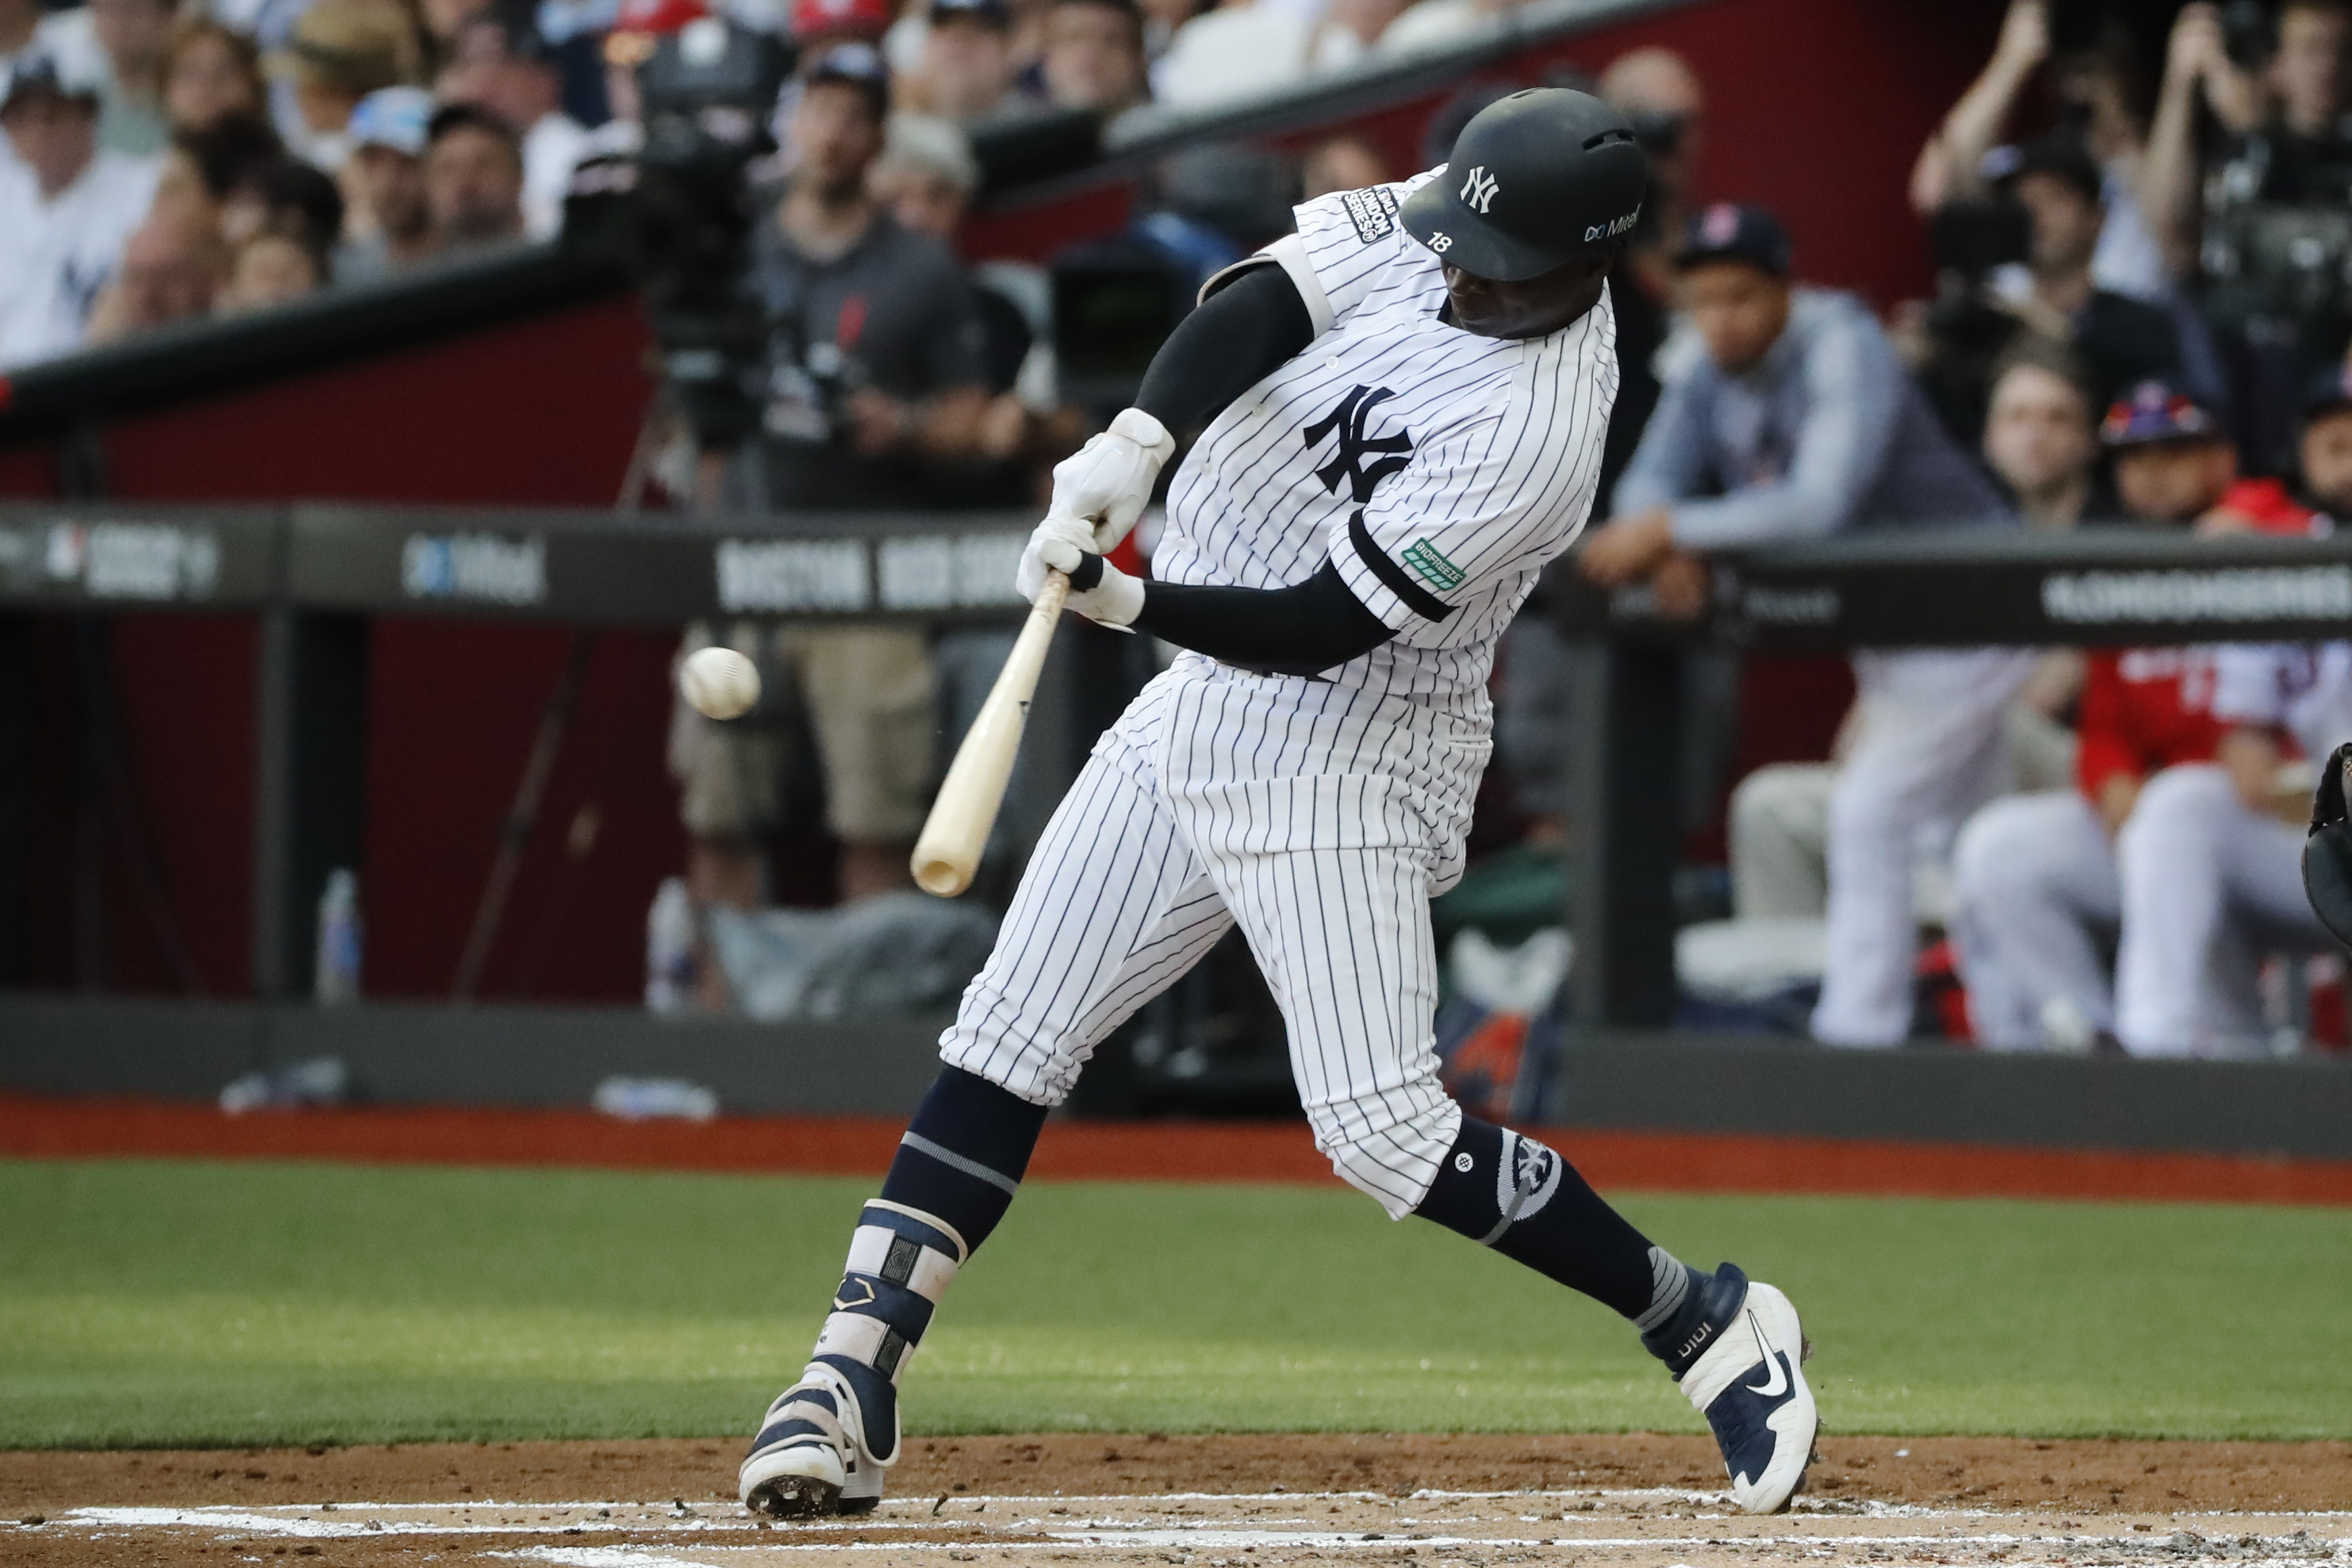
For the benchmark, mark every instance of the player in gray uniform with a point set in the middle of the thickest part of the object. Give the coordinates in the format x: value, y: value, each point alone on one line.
x: 1404, y: 403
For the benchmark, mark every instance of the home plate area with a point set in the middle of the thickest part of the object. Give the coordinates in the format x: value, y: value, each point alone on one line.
x: 1635, y: 1500
x: 1640, y: 1528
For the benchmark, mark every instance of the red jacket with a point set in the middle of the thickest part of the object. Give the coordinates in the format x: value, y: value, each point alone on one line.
x: 2144, y: 709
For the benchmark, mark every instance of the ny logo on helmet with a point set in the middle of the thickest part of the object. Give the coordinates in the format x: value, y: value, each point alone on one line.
x: 1348, y: 419
x: 1478, y: 189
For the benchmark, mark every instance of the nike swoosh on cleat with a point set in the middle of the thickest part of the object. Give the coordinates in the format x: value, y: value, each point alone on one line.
x: 1776, y: 1372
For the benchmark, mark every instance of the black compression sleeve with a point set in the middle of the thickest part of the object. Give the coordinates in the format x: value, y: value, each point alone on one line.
x: 1297, y: 631
x: 1235, y: 339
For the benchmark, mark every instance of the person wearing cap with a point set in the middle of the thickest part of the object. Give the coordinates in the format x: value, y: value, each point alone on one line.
x: 66, y: 209
x: 2325, y: 445
x: 1400, y: 406
x: 1093, y: 55
x: 2122, y: 341
x: 504, y: 66
x: 2170, y: 845
x: 1796, y: 421
x: 877, y: 390
x: 966, y: 73
x: 338, y: 52
x: 388, y: 227
x: 473, y: 179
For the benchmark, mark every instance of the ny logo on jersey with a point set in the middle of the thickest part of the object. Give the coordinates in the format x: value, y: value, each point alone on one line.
x: 1478, y: 189
x: 1348, y: 419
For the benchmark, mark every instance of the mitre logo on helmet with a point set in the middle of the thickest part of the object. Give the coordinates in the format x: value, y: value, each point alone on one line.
x: 1534, y: 180
x: 1613, y: 227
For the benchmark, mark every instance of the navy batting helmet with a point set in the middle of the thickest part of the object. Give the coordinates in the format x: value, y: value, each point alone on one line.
x: 1535, y: 179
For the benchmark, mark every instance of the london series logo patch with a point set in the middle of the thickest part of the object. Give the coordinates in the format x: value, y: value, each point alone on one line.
x: 1373, y: 211
x: 1432, y: 565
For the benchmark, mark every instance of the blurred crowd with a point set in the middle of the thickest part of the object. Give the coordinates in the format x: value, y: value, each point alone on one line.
x: 2141, y: 319
x: 2142, y: 230
x: 2141, y: 222
x: 165, y: 160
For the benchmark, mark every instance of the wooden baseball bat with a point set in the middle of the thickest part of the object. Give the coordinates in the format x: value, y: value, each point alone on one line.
x: 948, y: 853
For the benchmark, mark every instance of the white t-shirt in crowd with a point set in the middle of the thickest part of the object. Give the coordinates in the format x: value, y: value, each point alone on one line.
x: 1436, y: 25
x: 551, y: 150
x: 55, y: 256
x: 1229, y: 53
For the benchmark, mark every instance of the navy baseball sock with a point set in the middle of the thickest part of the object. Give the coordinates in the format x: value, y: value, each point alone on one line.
x: 964, y: 1154
x: 1507, y: 1191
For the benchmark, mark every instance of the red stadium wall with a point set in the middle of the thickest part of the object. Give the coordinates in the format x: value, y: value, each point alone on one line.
x: 1816, y: 107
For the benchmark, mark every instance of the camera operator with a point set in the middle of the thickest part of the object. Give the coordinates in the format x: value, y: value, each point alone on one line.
x: 2265, y: 218
x: 875, y: 395
x: 876, y: 384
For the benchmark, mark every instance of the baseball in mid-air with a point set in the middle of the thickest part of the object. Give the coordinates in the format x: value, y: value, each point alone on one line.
x: 718, y: 683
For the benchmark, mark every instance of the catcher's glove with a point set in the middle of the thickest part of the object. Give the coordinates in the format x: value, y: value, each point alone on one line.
x: 2328, y: 852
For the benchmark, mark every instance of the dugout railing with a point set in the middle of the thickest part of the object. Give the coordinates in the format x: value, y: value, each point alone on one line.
x: 314, y: 576
x: 313, y: 572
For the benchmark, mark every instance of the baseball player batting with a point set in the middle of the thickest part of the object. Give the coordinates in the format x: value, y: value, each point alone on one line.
x: 1403, y: 406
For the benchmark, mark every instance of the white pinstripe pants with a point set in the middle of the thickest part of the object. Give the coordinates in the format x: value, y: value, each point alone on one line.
x: 1159, y: 849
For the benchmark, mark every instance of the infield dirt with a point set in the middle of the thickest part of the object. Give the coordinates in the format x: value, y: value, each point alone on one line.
x: 1623, y: 1499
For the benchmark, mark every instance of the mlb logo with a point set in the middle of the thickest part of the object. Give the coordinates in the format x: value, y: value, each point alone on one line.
x: 1720, y: 224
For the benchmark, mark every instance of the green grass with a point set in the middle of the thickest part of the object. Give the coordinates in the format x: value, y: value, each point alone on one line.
x: 168, y: 1304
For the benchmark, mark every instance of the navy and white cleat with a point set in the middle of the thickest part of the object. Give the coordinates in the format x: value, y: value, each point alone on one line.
x: 1744, y: 1369
x: 804, y: 1463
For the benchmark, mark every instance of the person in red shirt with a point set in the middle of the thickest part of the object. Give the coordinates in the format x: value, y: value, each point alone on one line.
x: 2178, y: 751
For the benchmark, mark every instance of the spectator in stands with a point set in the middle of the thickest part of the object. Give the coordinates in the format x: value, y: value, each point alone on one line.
x: 2326, y: 445
x: 473, y: 179
x: 65, y: 211
x: 338, y: 53
x: 2041, y: 444
x: 2096, y: 101
x: 1348, y: 30
x: 2040, y: 441
x: 270, y: 270
x: 2263, y: 213
x: 505, y: 67
x: 1341, y: 163
x: 1799, y: 420
x: 1093, y: 57
x: 1235, y: 49
x: 967, y: 70
x: 27, y: 27
x: 875, y: 360
x: 926, y: 175
x: 136, y: 36
x: 1660, y: 96
x: 212, y: 74
x: 173, y: 269
x: 2122, y: 341
x: 443, y: 21
x: 876, y: 387
x: 387, y: 227
x: 1442, y: 24
x: 2171, y: 838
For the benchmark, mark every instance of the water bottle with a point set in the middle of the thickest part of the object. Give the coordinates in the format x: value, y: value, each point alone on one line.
x: 336, y: 977
x: 669, y: 949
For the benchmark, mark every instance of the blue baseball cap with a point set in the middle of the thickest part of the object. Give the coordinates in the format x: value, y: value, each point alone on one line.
x: 394, y: 117
x: 2154, y: 412
x: 1734, y: 231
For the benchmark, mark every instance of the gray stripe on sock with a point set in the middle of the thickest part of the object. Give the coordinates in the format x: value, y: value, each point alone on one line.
x: 1669, y: 1284
x: 954, y: 1161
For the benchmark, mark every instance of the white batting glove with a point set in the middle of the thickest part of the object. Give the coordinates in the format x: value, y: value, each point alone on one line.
x: 1107, y: 482
x: 1066, y: 545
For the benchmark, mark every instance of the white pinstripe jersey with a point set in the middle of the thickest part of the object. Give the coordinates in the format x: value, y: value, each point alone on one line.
x: 1439, y: 469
